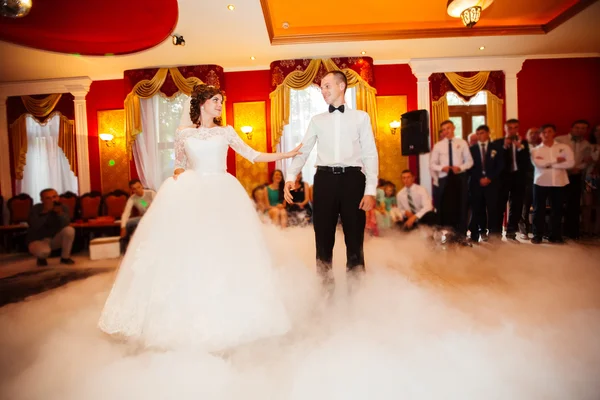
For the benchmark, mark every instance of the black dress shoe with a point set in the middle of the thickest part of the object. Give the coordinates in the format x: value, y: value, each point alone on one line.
x: 536, y: 240
x: 42, y: 262
x: 557, y: 240
x: 67, y: 261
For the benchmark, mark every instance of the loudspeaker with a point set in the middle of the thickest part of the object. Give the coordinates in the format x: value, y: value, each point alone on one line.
x: 415, y: 132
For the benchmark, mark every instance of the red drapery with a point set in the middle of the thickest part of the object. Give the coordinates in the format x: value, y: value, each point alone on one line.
x: 362, y: 65
x: 440, y: 84
x: 209, y: 74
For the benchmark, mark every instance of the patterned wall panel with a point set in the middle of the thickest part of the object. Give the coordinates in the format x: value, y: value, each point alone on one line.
x: 114, y: 163
x: 251, y: 114
x: 391, y: 161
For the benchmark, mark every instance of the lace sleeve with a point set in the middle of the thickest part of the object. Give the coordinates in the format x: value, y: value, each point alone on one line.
x: 239, y: 146
x: 180, y: 157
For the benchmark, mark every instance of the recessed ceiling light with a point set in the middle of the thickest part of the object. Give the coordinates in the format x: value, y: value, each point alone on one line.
x: 285, y: 25
x: 482, y: 48
x: 253, y: 58
x: 363, y: 52
x: 230, y: 7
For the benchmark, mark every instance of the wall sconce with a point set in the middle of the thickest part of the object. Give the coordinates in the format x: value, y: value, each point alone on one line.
x: 108, y: 139
x: 248, y: 131
x: 178, y: 40
x: 394, y: 125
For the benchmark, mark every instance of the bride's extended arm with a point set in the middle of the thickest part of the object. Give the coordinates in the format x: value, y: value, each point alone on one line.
x: 252, y: 155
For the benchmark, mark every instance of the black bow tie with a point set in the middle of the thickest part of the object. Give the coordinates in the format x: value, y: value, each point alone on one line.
x: 332, y: 108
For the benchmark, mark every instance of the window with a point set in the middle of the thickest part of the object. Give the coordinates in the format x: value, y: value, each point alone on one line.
x: 46, y: 166
x: 467, y: 115
x: 304, y: 104
x: 154, y: 148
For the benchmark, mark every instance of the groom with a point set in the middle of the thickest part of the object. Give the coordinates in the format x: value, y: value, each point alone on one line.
x: 341, y: 189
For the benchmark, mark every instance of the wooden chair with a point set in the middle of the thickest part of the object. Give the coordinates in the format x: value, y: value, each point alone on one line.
x: 19, y: 208
x: 70, y: 200
x: 89, y: 205
x: 113, y: 203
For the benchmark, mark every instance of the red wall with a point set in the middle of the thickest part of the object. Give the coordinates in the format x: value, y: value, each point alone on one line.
x: 243, y: 87
x: 559, y: 91
x: 103, y: 95
x: 395, y: 80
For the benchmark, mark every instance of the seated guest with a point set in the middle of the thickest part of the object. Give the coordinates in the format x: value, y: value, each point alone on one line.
x: 551, y: 161
x: 299, y: 212
x: 49, y: 229
x: 386, y: 206
x: 140, y: 199
x: 276, y: 207
x: 414, y: 204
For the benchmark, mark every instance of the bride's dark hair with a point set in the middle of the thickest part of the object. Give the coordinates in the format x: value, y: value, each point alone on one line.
x: 200, y: 94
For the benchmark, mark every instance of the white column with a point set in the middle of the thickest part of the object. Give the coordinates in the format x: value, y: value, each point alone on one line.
x: 424, y: 103
x: 512, y: 100
x: 5, y: 179
x: 81, y: 131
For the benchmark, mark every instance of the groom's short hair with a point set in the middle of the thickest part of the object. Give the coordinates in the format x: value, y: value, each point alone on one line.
x: 339, y: 77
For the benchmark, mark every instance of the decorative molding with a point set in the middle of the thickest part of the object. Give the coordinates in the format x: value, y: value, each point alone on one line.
x: 462, y: 64
x: 405, y: 34
x: 567, y: 15
x: 46, y: 86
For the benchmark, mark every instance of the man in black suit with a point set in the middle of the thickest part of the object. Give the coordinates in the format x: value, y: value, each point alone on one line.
x: 513, y: 178
x: 484, y: 185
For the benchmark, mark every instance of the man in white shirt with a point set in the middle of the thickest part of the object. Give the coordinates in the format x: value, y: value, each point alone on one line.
x: 414, y: 204
x: 450, y: 159
x: 551, y: 161
x: 582, y: 150
x: 140, y: 199
x: 341, y: 189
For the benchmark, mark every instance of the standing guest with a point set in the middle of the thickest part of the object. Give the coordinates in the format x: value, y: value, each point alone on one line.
x: 582, y: 151
x: 483, y: 186
x: 533, y: 140
x: 450, y: 159
x: 551, y: 160
x: 512, y: 182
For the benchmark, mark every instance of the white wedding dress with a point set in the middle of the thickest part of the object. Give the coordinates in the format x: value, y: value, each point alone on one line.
x: 197, y: 272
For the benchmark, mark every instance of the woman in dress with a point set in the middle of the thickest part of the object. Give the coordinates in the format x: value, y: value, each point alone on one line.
x: 197, y: 273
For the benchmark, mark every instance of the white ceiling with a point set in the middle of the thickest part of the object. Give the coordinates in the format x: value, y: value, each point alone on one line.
x: 215, y: 35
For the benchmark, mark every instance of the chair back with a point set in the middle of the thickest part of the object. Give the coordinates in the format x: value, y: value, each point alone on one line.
x: 113, y: 203
x: 70, y: 200
x: 89, y: 205
x: 19, y: 208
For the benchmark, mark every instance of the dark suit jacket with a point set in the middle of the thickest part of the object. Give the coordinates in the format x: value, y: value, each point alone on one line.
x: 523, y: 157
x: 494, y: 163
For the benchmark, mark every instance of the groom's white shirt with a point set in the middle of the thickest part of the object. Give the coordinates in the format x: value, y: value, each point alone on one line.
x: 345, y: 139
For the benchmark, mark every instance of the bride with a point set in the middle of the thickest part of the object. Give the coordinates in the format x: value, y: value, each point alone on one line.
x: 197, y: 272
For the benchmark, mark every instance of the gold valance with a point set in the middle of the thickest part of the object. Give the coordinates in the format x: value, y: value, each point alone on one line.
x: 468, y: 86
x: 146, y: 89
x: 40, y: 108
x: 66, y: 141
x: 298, y: 80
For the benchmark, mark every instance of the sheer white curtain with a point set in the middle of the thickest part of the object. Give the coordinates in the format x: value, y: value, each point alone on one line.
x: 304, y: 104
x: 47, y: 166
x: 153, y: 148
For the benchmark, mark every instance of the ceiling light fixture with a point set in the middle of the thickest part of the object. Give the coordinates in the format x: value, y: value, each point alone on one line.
x: 15, y: 8
x: 253, y: 58
x: 230, y: 7
x: 363, y: 52
x: 178, y: 40
x: 285, y: 25
x: 469, y: 11
x: 482, y: 48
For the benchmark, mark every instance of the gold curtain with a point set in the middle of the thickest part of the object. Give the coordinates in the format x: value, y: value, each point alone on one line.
x: 468, y: 86
x: 41, y: 107
x: 298, y: 80
x: 67, y: 142
x: 494, y: 114
x: 439, y: 114
x: 148, y: 88
x: 18, y: 131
